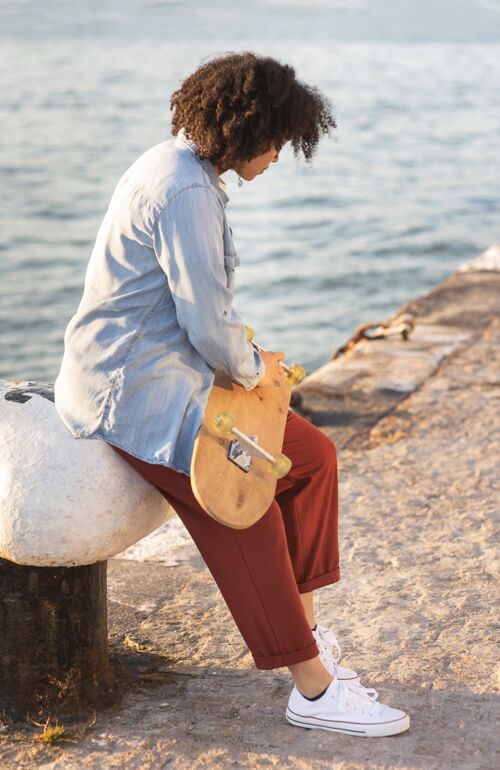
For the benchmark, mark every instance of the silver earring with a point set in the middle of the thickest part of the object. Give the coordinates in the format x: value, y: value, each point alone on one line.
x: 240, y: 181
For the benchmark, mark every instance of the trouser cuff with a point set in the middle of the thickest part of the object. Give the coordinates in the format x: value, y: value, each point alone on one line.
x: 286, y: 658
x: 319, y: 581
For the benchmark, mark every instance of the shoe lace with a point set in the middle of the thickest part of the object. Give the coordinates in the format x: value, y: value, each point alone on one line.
x: 327, y: 643
x: 350, y: 694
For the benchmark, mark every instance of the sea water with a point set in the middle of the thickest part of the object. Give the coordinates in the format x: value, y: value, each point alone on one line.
x: 406, y: 189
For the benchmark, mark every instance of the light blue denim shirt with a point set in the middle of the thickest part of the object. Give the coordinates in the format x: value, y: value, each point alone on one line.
x: 156, y: 317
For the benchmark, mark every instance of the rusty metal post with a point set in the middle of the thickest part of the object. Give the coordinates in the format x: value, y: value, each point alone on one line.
x: 53, y: 638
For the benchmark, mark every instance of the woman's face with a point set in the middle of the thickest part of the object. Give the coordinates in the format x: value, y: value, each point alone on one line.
x: 249, y: 169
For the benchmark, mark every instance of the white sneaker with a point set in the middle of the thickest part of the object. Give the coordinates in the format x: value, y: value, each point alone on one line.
x: 330, y: 652
x: 346, y: 707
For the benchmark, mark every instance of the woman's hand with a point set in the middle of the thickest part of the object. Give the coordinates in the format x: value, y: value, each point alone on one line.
x: 273, y: 369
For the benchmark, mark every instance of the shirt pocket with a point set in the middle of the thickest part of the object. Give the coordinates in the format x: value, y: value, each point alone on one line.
x: 231, y: 261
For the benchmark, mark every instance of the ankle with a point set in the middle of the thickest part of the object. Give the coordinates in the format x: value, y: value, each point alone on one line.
x: 311, y: 691
x: 311, y: 677
x: 313, y: 698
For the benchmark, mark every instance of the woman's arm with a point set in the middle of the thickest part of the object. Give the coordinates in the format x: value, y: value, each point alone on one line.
x: 188, y: 242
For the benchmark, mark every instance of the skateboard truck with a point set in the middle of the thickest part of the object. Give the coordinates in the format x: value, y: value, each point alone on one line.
x: 293, y: 374
x: 242, y: 448
x: 239, y: 456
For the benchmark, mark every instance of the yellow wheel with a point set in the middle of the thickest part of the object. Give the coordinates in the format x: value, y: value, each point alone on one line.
x: 280, y: 466
x: 249, y: 332
x: 295, y: 375
x: 223, y: 423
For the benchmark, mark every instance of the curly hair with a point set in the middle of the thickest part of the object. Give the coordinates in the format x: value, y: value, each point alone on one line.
x: 237, y: 106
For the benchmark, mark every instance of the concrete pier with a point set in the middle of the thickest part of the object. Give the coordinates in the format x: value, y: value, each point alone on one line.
x: 417, y: 426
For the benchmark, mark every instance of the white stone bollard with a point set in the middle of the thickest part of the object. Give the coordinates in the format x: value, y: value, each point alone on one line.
x: 65, y: 501
x: 66, y: 506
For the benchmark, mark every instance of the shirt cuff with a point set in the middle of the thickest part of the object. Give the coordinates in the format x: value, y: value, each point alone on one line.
x: 249, y: 383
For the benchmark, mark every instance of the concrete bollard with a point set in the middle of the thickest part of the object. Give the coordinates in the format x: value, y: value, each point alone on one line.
x: 66, y: 506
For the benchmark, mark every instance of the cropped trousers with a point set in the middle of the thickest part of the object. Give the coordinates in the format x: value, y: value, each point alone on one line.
x: 262, y: 570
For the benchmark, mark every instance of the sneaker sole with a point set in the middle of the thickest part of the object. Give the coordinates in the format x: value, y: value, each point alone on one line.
x: 380, y: 730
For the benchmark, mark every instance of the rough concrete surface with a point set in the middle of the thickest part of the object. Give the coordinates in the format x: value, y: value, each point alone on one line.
x: 417, y: 425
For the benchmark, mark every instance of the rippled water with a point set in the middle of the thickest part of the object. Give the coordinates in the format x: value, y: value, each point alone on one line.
x: 409, y: 188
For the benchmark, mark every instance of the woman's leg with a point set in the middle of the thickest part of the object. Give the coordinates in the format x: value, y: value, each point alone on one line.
x: 264, y: 570
x: 310, y: 677
x: 308, y: 499
x: 308, y: 604
x: 310, y: 526
x: 252, y: 568
x: 260, y: 570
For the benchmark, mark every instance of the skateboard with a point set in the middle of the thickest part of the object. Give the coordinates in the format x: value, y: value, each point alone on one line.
x: 237, y: 457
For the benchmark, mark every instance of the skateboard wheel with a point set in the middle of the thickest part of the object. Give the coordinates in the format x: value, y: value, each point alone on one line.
x: 249, y: 332
x: 280, y: 466
x: 295, y: 375
x: 224, y: 423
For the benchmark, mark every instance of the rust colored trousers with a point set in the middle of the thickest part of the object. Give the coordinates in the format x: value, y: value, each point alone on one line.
x: 292, y: 549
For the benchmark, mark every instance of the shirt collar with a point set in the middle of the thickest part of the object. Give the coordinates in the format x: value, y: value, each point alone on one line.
x: 181, y: 139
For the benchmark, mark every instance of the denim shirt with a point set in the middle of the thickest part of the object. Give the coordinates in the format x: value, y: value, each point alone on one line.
x: 156, y: 317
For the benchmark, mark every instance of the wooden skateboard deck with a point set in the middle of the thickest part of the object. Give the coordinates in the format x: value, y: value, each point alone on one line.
x: 231, y: 495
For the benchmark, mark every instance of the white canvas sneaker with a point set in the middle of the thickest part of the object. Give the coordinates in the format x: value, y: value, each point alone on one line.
x: 330, y: 652
x: 346, y: 707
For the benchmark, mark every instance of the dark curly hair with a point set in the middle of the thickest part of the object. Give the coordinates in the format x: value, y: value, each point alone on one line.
x: 239, y: 105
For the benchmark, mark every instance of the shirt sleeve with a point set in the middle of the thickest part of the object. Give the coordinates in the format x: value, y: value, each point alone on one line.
x: 188, y: 242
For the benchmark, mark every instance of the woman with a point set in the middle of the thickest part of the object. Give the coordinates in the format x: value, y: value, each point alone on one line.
x: 156, y: 319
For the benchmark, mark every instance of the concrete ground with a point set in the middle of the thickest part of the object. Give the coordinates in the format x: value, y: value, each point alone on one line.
x: 417, y: 426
